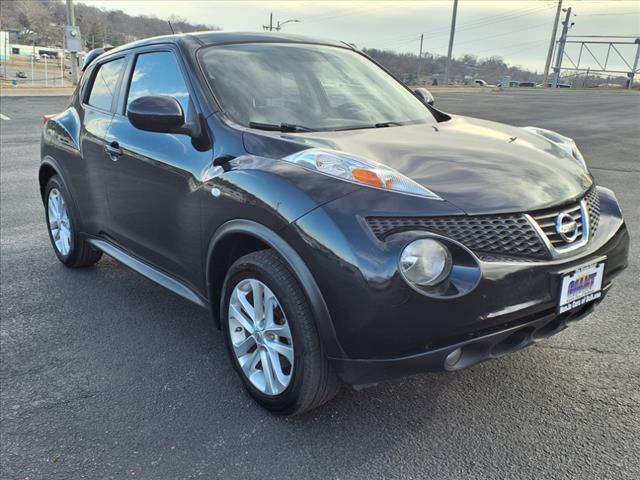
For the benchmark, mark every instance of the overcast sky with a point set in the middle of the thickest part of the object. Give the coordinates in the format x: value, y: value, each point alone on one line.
x: 519, y: 31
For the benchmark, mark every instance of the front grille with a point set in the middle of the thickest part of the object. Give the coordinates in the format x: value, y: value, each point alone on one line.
x: 586, y: 214
x: 547, y: 222
x: 593, y: 204
x: 498, y: 234
x: 509, y: 235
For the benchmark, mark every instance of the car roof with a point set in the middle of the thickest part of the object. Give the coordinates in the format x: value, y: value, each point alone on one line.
x: 217, y: 38
x: 195, y: 40
x: 221, y: 38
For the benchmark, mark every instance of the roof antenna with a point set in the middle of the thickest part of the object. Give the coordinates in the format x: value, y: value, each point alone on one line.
x: 171, y: 27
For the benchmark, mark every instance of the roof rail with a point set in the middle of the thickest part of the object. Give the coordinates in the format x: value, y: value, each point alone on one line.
x: 92, y: 55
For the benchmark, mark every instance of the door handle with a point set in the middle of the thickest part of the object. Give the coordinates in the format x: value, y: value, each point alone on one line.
x: 113, y: 150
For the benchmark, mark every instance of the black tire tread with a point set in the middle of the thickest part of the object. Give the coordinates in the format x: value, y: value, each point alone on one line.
x: 320, y: 384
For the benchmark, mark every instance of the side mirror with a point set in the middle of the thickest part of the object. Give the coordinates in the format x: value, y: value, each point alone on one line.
x: 424, y: 95
x: 159, y: 113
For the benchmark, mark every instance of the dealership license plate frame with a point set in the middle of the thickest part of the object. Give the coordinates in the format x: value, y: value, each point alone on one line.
x: 566, y: 303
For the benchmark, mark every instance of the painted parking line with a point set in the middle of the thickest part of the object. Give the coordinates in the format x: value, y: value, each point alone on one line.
x: 4, y: 117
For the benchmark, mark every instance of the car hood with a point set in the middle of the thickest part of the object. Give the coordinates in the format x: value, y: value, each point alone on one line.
x: 477, y: 165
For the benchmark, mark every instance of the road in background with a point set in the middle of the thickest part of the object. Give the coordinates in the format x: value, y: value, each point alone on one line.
x: 39, y: 74
x: 107, y: 375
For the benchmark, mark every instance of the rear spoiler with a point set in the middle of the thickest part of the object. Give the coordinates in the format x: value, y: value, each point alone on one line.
x: 92, y: 55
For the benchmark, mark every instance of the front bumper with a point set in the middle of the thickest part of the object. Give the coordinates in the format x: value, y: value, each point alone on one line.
x: 387, y: 329
x: 481, y: 346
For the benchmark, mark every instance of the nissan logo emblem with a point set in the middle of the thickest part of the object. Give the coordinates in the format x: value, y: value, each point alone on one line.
x: 566, y: 227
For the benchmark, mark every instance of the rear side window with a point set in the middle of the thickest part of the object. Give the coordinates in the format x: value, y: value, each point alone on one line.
x: 158, y: 73
x: 105, y: 83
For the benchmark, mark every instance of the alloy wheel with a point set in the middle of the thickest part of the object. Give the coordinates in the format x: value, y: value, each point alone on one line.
x: 261, y: 339
x: 59, y: 223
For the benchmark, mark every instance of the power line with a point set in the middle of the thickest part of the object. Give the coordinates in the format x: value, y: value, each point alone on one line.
x: 359, y: 10
x: 603, y: 14
x: 475, y: 40
x: 494, y: 19
x: 533, y: 44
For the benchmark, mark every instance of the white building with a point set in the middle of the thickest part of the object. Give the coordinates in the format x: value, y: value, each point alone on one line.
x: 35, y: 50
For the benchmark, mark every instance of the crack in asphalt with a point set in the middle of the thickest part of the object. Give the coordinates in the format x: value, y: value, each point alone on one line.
x: 52, y: 405
x: 609, y: 169
x: 582, y: 350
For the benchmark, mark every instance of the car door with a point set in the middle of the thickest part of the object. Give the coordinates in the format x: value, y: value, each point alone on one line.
x: 97, y: 100
x: 154, y: 209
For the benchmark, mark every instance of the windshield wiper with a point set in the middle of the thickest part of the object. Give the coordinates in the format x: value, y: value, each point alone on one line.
x: 371, y: 125
x: 388, y: 124
x: 283, y: 127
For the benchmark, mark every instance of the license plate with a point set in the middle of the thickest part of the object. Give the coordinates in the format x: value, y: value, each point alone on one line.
x: 581, y: 286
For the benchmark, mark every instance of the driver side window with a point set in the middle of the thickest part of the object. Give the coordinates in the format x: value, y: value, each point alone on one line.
x: 158, y: 73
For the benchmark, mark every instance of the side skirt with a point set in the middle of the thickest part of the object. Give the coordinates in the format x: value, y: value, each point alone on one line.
x: 148, y: 271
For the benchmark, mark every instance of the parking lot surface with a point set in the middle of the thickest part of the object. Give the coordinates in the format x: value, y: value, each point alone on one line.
x: 107, y: 375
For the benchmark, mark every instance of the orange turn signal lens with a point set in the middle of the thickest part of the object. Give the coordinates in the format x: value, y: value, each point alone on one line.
x: 367, y: 177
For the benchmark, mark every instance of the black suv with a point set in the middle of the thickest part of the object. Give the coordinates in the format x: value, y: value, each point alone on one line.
x: 337, y: 225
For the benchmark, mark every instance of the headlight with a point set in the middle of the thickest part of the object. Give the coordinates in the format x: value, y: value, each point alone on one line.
x: 565, y: 143
x: 360, y: 170
x: 425, y: 262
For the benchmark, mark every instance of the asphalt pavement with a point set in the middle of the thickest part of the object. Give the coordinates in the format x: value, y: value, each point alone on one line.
x: 106, y: 375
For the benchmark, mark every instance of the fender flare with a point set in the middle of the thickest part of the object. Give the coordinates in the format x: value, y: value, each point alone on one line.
x: 50, y: 162
x: 302, y: 273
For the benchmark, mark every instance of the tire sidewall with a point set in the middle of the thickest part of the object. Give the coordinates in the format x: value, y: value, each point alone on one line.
x: 56, y: 182
x: 245, y: 270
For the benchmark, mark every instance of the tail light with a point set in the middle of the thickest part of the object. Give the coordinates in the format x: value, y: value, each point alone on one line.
x: 46, y: 118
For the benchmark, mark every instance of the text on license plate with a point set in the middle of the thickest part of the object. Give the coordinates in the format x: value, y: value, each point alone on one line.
x: 581, y: 286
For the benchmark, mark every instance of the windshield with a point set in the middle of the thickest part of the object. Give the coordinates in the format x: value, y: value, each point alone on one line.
x: 307, y: 86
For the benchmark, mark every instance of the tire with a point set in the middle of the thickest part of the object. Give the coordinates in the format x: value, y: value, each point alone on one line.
x: 309, y: 382
x: 63, y: 225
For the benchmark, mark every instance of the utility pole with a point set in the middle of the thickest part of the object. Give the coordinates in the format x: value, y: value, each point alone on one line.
x: 270, y: 26
x: 547, y: 64
x: 453, y: 31
x: 635, y: 65
x: 33, y: 59
x: 5, y: 40
x: 420, y: 59
x: 71, y: 20
x: 563, y: 38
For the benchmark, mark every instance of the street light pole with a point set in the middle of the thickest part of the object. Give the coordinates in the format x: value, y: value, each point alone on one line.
x: 280, y: 25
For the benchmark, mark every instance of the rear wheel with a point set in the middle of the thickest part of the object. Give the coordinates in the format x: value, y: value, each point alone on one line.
x: 272, y: 338
x: 63, y: 225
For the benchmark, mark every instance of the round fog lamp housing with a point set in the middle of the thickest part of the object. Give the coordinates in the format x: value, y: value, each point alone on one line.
x: 425, y: 262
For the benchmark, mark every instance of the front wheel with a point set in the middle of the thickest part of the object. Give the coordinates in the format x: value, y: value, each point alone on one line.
x: 272, y: 338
